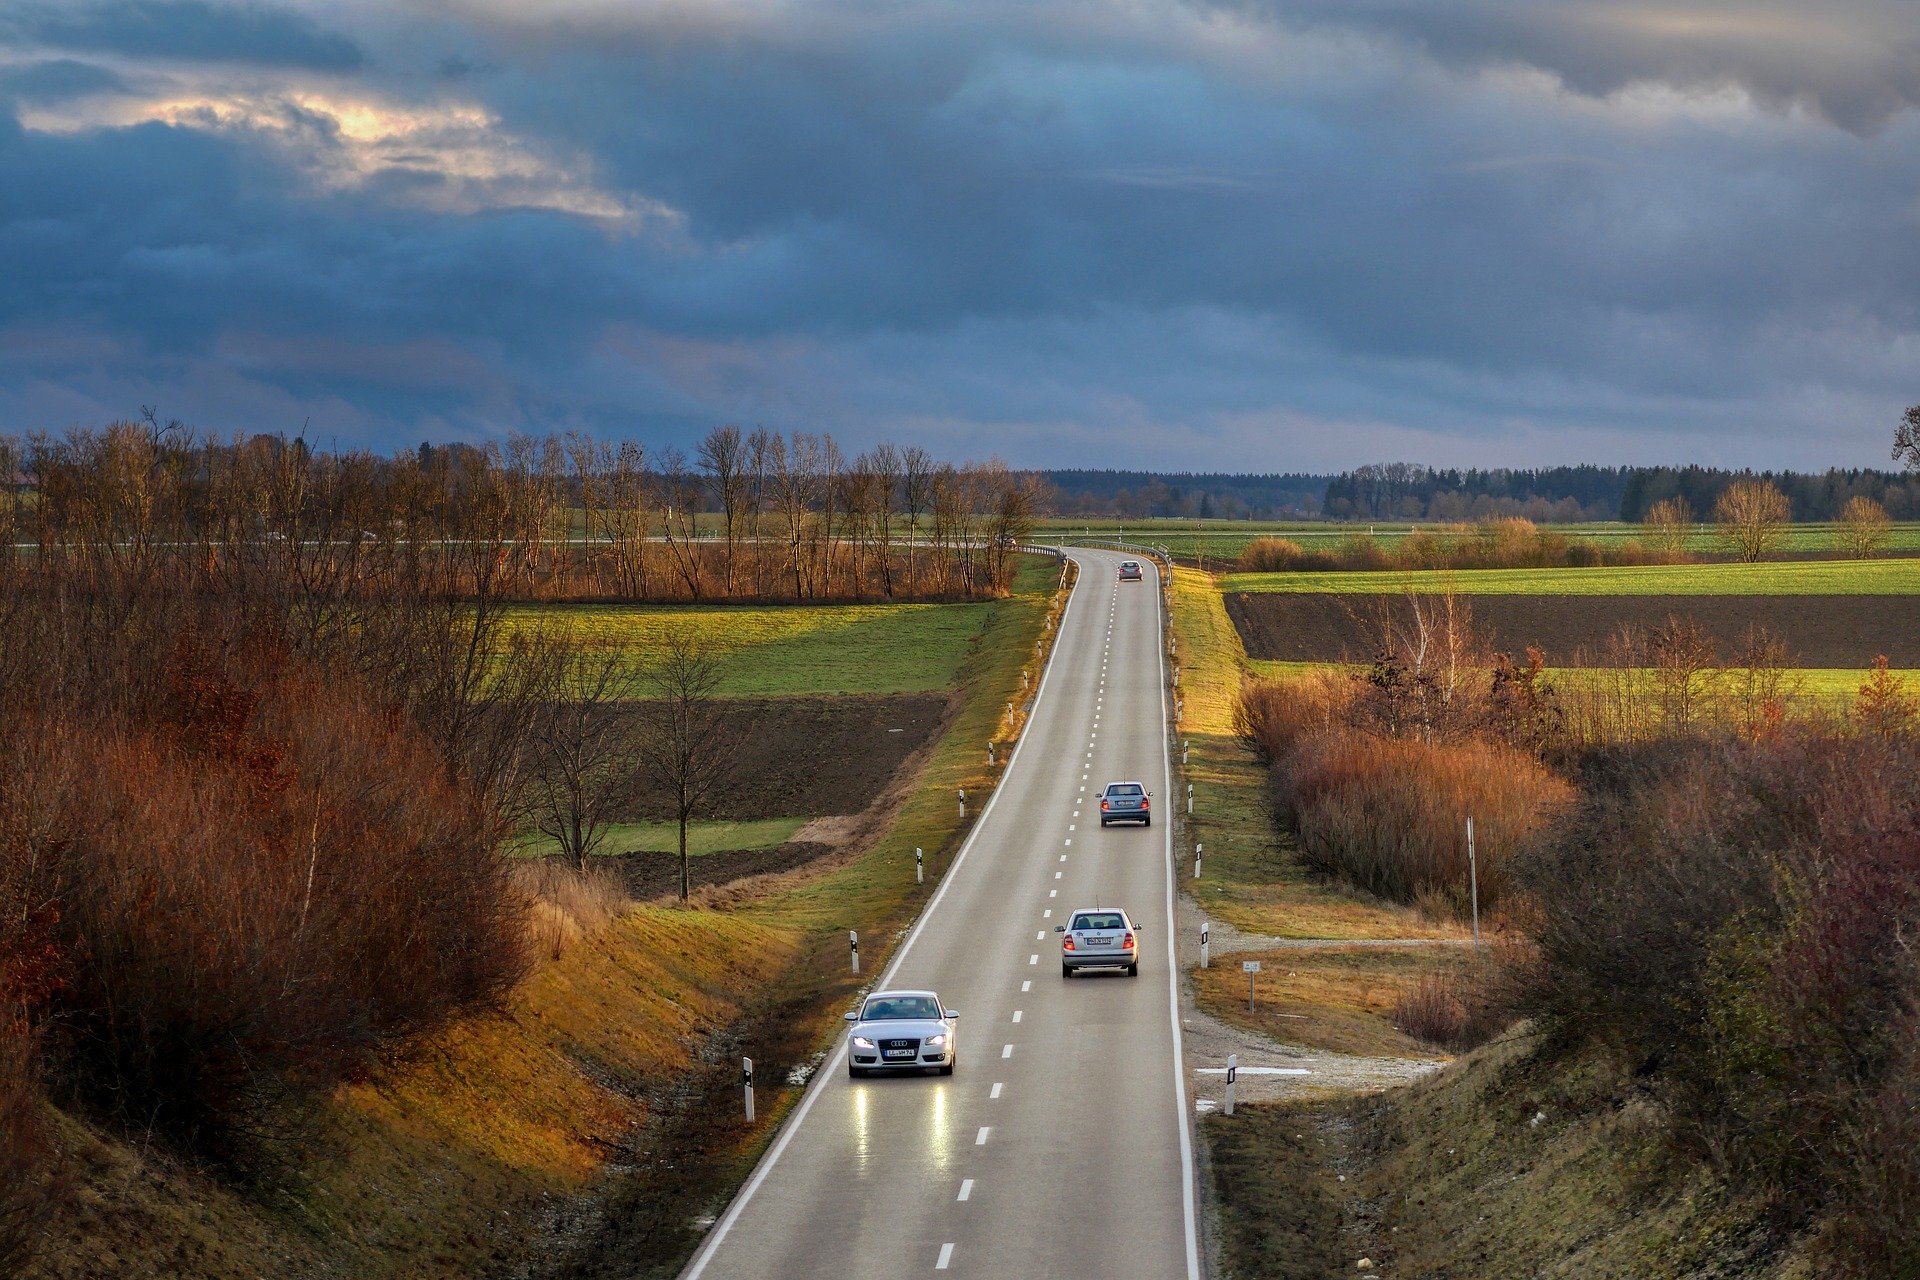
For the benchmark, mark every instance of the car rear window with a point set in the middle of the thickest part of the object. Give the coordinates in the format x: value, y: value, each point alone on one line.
x: 1123, y: 789
x: 1098, y: 920
x: 890, y: 1007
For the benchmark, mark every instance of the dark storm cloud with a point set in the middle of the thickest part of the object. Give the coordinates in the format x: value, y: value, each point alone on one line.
x: 57, y: 80
x: 1256, y: 236
x: 1854, y: 62
x: 191, y: 29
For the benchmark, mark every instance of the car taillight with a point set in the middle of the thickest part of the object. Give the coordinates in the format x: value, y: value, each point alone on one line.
x: 1068, y: 944
x: 1143, y: 803
x: 1128, y: 944
x: 1105, y: 805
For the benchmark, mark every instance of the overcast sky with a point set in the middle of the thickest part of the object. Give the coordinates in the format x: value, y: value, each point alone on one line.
x: 1248, y: 235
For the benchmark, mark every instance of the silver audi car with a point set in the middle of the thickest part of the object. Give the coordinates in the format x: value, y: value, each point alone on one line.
x: 1099, y: 938
x: 902, y: 1031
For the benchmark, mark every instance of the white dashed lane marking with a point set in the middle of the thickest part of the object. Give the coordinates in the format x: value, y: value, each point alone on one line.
x: 966, y: 1189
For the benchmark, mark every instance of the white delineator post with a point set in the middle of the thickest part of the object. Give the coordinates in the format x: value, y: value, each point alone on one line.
x: 1184, y: 748
x: 1473, y: 882
x: 1189, y: 799
x: 746, y: 1082
x: 1206, y: 961
x: 919, y: 866
x: 1233, y: 1075
x: 1196, y: 860
x: 963, y: 801
x: 853, y: 945
x: 989, y: 755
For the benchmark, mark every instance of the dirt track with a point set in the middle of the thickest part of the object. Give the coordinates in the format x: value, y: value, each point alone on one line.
x: 1820, y: 631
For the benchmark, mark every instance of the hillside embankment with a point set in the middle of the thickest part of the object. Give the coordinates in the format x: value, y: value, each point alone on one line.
x: 591, y: 1124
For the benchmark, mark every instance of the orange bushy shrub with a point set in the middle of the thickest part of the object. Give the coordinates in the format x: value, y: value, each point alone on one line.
x: 1390, y: 814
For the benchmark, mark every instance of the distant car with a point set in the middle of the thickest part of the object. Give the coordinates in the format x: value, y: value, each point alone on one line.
x: 1099, y: 938
x: 902, y: 1031
x: 1126, y: 802
x: 1129, y: 571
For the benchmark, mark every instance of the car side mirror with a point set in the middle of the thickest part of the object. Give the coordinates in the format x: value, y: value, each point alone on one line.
x: 854, y: 1016
x: 1059, y: 928
x: 953, y: 1013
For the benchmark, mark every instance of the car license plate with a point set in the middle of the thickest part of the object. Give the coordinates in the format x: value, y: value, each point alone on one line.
x: 1099, y: 942
x: 899, y: 1053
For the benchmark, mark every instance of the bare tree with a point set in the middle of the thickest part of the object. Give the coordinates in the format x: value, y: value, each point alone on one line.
x: 580, y: 773
x: 1753, y: 517
x: 1863, y: 528
x: 724, y: 457
x: 686, y: 746
x: 1686, y: 669
x: 916, y: 472
x: 682, y: 522
x: 1667, y: 525
x: 1906, y: 439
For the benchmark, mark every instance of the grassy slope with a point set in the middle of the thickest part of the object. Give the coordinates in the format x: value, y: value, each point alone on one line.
x: 1773, y: 578
x: 1251, y: 877
x: 790, y: 651
x: 1504, y: 1165
x: 442, y: 1163
x: 1339, y: 999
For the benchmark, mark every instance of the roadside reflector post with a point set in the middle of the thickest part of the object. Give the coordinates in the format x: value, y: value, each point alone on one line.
x: 1252, y: 967
x: 989, y: 755
x: 1233, y: 1076
x: 1185, y: 746
x: 1189, y: 799
x: 1196, y: 860
x: 1206, y: 961
x: 1009, y: 713
x: 746, y: 1082
x: 853, y: 945
x: 919, y: 866
x: 963, y: 802
x: 1473, y: 882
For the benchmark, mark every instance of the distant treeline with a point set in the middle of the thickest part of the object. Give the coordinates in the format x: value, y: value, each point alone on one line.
x: 1185, y: 495
x: 1408, y: 491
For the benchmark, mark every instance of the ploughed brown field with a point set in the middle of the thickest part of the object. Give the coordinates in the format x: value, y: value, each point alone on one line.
x: 1819, y: 631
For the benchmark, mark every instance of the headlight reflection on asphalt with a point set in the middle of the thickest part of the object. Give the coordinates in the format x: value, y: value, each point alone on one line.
x: 939, y: 1128
x: 862, y: 1146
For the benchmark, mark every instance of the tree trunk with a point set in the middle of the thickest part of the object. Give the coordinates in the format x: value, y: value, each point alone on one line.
x: 685, y: 876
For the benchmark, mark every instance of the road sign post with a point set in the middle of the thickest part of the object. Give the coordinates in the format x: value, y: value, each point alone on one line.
x: 1233, y: 1077
x: 1205, y: 957
x: 1251, y: 967
x: 746, y: 1082
x: 853, y: 945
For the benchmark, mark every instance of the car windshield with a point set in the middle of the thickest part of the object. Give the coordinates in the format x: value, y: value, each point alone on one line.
x: 1123, y: 789
x: 1098, y: 920
x: 888, y: 1008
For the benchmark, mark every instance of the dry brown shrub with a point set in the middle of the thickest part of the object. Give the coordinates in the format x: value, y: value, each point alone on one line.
x: 1275, y: 716
x: 566, y: 904
x: 1390, y: 815
x: 1271, y: 555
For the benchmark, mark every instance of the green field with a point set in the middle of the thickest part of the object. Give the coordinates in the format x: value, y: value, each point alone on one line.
x: 1771, y: 578
x: 776, y: 651
x: 664, y: 837
x: 1224, y: 540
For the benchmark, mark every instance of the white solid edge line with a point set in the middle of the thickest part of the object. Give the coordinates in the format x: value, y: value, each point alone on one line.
x: 822, y: 1077
x: 1181, y: 1118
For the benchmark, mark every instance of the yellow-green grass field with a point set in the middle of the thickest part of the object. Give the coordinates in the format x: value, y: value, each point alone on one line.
x: 1820, y: 683
x: 1767, y: 578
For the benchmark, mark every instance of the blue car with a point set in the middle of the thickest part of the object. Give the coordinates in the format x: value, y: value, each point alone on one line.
x: 1125, y: 802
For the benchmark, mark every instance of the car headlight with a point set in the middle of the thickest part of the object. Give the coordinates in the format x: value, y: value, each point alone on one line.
x: 936, y: 1042
x: 861, y: 1042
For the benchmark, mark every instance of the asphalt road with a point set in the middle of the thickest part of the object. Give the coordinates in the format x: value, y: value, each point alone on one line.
x: 1060, y: 1147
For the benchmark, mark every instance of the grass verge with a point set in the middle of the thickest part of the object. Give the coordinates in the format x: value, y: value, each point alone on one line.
x: 1339, y: 999
x: 664, y: 837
